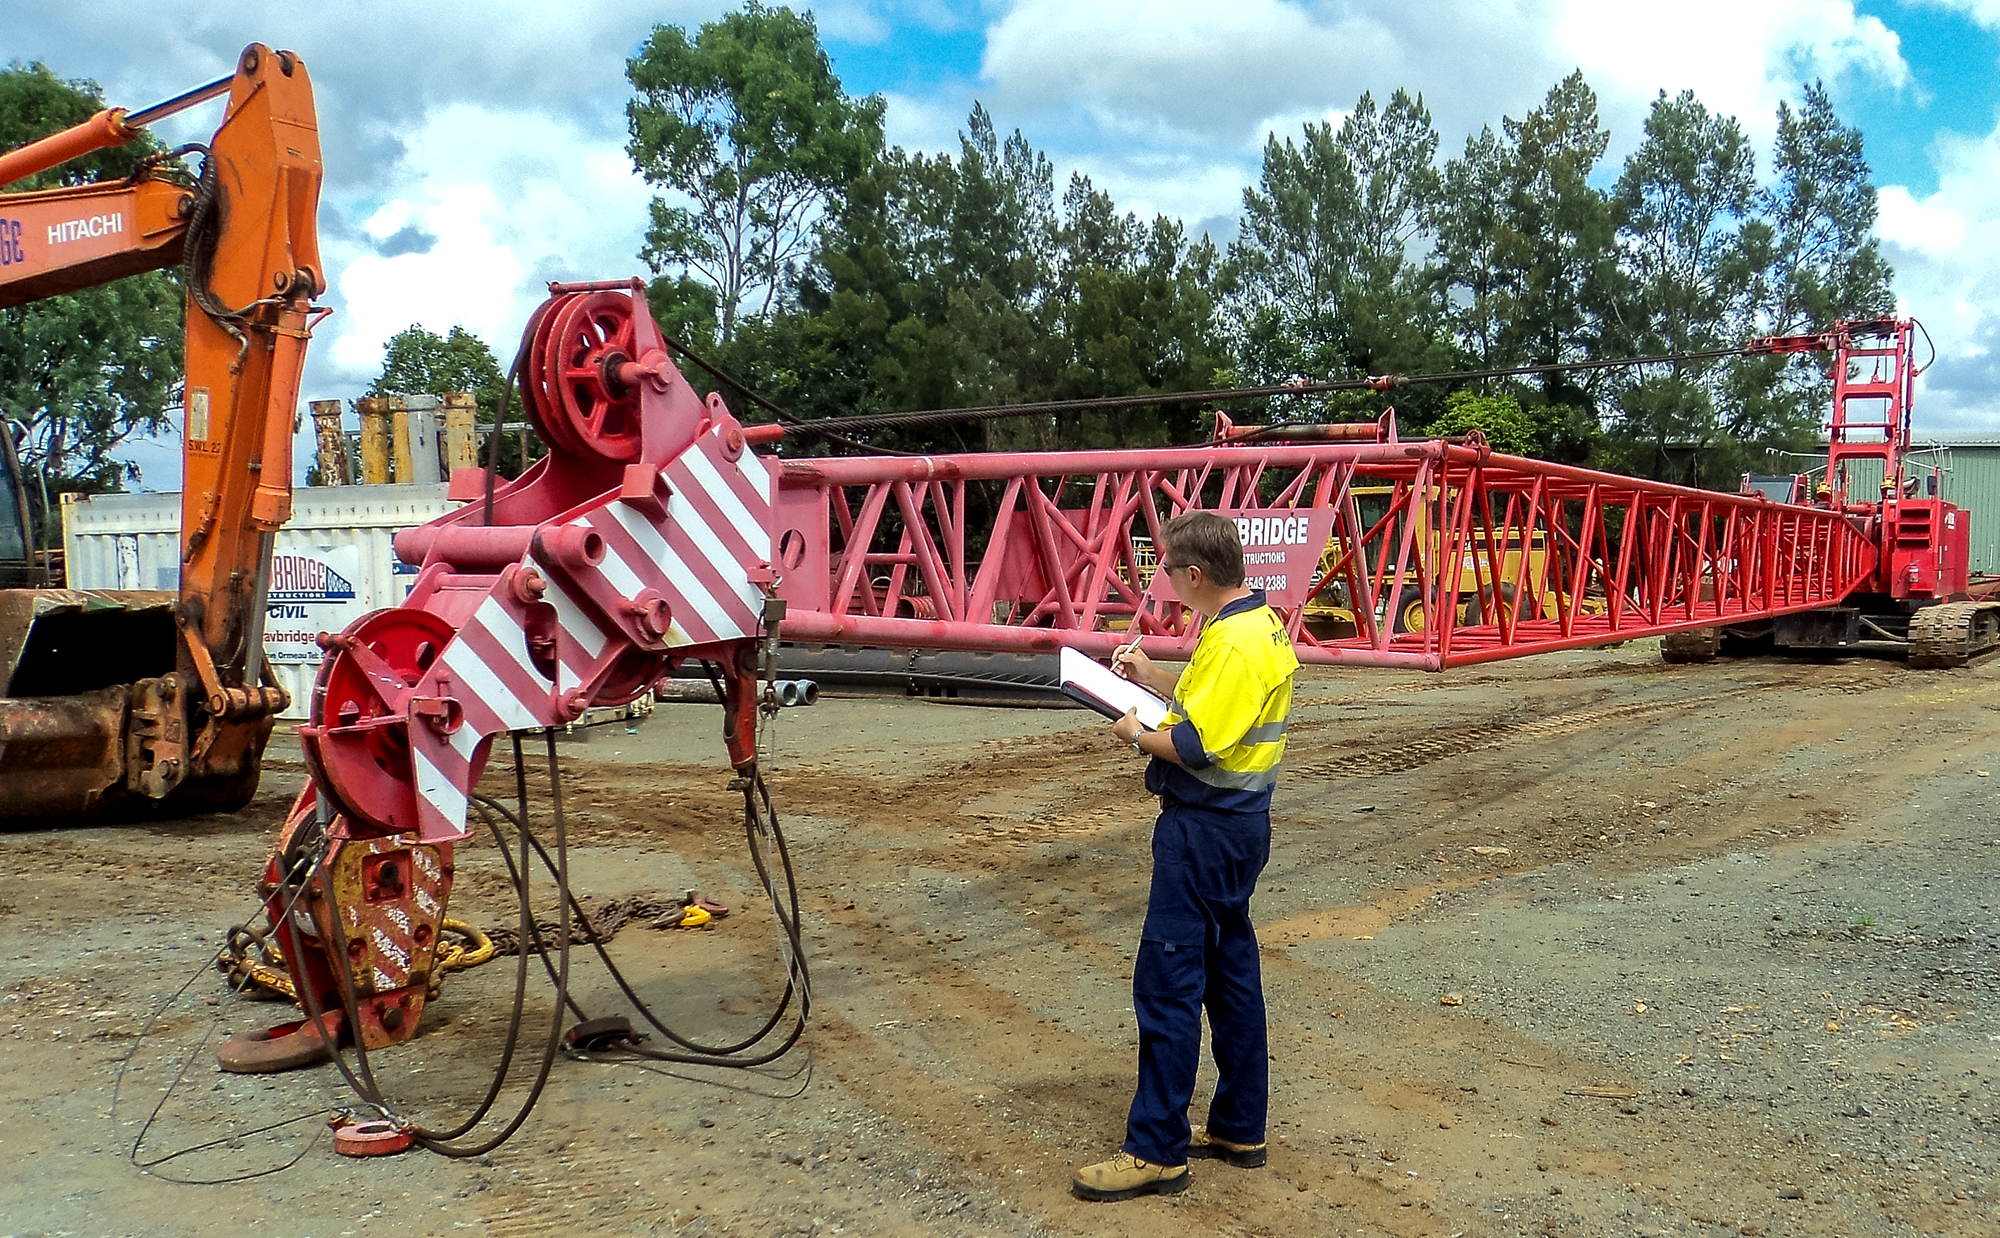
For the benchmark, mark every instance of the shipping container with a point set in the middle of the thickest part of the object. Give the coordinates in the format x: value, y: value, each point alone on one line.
x: 333, y: 562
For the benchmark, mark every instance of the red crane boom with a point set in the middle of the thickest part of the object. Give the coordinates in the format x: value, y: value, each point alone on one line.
x: 652, y: 534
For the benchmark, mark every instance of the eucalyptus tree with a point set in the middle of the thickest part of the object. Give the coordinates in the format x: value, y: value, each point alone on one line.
x: 746, y: 127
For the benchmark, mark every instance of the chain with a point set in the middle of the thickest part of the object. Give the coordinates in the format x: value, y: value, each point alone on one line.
x: 265, y: 974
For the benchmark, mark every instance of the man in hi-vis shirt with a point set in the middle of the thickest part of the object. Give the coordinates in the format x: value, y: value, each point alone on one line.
x: 1214, y: 762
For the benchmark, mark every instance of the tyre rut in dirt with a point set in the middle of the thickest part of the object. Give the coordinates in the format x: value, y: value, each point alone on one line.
x: 1459, y: 741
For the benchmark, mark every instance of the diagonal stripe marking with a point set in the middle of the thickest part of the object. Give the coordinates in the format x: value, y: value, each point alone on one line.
x: 443, y: 794
x: 472, y: 671
x: 713, y: 484
x: 688, y: 520
x: 680, y: 578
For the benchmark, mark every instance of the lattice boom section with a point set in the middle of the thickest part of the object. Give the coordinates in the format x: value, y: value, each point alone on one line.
x: 1413, y: 554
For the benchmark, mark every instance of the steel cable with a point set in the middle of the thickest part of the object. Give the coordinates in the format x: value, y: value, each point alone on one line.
x: 1380, y: 382
x: 149, y: 1167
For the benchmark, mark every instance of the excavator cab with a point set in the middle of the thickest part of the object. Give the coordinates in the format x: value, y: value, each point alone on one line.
x: 20, y: 567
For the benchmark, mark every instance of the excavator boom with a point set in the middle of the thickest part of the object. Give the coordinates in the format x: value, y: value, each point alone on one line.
x: 78, y: 236
x: 177, y: 720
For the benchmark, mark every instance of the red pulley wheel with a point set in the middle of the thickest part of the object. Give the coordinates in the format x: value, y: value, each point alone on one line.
x: 586, y: 337
x: 537, y: 390
x: 359, y: 739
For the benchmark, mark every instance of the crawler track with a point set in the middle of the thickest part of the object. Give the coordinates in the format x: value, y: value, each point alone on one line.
x: 1951, y: 633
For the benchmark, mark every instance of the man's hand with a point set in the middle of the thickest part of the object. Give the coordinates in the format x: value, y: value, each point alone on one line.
x: 1128, y: 728
x: 1132, y: 662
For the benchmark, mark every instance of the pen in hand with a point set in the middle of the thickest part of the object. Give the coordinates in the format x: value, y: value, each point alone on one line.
x: 1124, y: 649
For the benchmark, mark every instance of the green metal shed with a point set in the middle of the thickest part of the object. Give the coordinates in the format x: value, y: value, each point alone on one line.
x: 1971, y: 470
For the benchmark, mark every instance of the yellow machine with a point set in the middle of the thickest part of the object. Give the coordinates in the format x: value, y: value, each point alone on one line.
x: 1329, y: 613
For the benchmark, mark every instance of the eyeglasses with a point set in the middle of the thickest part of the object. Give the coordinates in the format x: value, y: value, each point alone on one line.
x: 1171, y: 568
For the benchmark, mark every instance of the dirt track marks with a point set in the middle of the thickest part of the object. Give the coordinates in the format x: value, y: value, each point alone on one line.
x: 1460, y: 740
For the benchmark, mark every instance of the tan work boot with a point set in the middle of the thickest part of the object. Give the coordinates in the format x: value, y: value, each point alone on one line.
x: 1125, y: 1176
x: 1241, y: 1155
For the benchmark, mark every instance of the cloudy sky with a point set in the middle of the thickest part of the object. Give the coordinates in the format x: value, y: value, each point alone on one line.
x: 475, y: 151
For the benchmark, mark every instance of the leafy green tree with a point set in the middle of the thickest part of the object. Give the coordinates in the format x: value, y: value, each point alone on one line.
x: 1133, y: 312
x: 1323, y: 278
x: 955, y: 280
x: 1818, y: 262
x: 420, y: 362
x: 83, y: 372
x: 1685, y: 197
x: 685, y: 308
x: 1826, y: 262
x: 747, y: 128
x: 1555, y: 246
x: 1293, y: 258
x: 1498, y: 417
x: 1471, y: 224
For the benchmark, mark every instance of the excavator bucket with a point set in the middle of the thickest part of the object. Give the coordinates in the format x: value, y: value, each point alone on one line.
x: 74, y: 661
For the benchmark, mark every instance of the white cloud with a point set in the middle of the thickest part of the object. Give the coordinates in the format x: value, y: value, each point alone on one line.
x: 1946, y: 251
x: 1184, y: 189
x: 1217, y: 71
x: 927, y: 123
x: 1292, y: 124
x: 1739, y: 59
x: 1930, y: 227
x: 504, y: 201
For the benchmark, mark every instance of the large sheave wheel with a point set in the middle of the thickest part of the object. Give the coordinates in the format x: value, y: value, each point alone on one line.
x: 578, y: 401
x: 360, y: 738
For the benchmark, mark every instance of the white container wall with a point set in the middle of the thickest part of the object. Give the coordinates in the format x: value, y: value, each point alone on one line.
x: 333, y: 563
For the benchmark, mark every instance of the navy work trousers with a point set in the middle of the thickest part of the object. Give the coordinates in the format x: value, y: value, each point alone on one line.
x: 1198, y: 949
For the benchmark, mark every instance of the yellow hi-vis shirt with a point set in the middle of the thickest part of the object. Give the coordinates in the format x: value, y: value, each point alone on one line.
x: 1229, y: 712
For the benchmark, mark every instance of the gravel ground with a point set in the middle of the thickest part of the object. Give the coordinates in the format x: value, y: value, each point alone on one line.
x: 1579, y: 945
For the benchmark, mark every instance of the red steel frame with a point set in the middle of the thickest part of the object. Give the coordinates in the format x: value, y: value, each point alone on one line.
x: 652, y: 534
x: 878, y: 550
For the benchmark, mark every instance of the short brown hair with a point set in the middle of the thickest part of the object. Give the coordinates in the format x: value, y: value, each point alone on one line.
x: 1209, y: 542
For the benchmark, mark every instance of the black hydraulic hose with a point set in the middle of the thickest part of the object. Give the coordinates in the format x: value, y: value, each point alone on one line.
x: 365, y: 1086
x: 506, y: 1065
x: 434, y: 1141
x: 758, y: 809
x: 797, y: 980
x: 500, y: 413
x: 797, y: 971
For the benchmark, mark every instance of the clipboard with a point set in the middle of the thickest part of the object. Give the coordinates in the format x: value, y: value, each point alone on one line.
x: 1096, y: 686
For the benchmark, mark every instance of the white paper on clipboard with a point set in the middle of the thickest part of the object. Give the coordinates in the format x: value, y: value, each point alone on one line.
x: 1090, y: 682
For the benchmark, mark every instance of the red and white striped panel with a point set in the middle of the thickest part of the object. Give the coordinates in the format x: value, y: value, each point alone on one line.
x: 499, y: 690
x: 718, y: 528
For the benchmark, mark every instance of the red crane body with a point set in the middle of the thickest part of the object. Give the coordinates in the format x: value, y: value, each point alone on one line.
x: 652, y: 534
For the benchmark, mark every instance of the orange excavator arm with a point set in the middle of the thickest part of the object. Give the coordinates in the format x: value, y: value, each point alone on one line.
x: 191, y: 731
x: 59, y: 240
